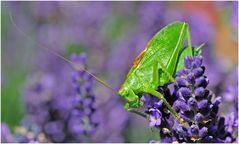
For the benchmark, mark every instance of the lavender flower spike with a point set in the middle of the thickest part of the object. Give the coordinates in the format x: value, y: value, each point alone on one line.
x: 6, y: 135
x: 63, y: 106
x: 196, y: 105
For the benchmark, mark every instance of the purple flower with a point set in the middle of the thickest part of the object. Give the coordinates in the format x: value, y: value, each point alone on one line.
x: 29, y: 133
x: 6, y: 135
x: 26, y: 133
x: 230, y: 92
x: 195, y: 105
x: 155, y: 117
x: 231, y: 122
x: 45, y: 10
x: 64, y: 113
x: 234, y: 15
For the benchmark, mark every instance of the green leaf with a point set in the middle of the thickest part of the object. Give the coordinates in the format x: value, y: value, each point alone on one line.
x: 74, y: 48
x: 4, y: 24
x: 11, y: 104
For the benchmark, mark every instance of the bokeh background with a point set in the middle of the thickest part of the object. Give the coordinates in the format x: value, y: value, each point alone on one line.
x: 111, y: 34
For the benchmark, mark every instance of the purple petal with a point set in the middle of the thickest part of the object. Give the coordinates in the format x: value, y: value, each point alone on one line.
x: 202, y: 104
x: 203, y: 132
x: 231, y: 122
x: 181, y: 82
x: 217, y: 101
x: 145, y: 98
x: 80, y: 59
x: 6, y: 136
x: 153, y: 121
x: 155, y: 117
x: 201, y: 82
x: 158, y: 104
x: 180, y: 105
x: 188, y: 62
x: 155, y: 113
x: 192, y: 102
x: 198, y: 72
x: 199, y: 92
x: 198, y: 61
x: 190, y: 78
x: 184, y: 92
x: 194, y: 129
x: 53, y: 127
x: 198, y: 117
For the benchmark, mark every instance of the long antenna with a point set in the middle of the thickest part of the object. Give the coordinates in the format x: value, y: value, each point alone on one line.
x: 77, y: 66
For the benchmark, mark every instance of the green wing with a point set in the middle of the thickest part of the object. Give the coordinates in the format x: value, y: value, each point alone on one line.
x: 163, y: 44
x: 165, y: 47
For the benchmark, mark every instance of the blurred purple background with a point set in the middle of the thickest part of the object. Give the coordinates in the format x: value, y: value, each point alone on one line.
x: 111, y: 34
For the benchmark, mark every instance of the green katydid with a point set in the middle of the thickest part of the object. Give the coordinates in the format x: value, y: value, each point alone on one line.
x: 154, y: 67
